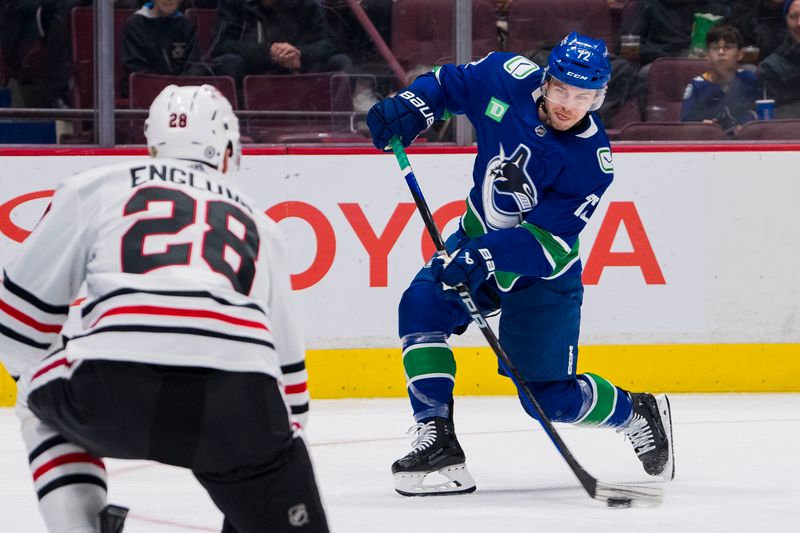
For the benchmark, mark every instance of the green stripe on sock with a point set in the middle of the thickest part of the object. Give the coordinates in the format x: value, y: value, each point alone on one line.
x: 603, y: 403
x: 429, y: 360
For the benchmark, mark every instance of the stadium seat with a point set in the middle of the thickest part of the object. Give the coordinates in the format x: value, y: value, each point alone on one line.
x: 422, y: 31
x: 671, y: 131
x: 666, y: 83
x: 143, y: 88
x: 83, y: 55
x: 537, y: 24
x: 329, y: 91
x: 771, y: 130
x: 205, y: 22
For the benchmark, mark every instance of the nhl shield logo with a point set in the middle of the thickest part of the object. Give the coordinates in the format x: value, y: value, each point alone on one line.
x: 298, y: 515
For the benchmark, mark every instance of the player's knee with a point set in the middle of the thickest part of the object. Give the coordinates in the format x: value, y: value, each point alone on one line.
x: 409, y: 310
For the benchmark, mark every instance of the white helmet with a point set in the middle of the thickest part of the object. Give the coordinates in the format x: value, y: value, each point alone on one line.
x: 193, y: 123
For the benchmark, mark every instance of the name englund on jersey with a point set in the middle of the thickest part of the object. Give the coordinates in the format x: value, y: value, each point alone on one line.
x: 179, y: 269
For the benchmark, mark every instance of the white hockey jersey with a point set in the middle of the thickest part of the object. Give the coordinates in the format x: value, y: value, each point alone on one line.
x: 179, y: 266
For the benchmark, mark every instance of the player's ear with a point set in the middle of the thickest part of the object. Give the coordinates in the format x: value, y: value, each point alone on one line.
x: 227, y: 158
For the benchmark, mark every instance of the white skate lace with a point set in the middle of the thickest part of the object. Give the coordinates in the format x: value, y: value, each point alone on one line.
x: 424, y: 435
x: 640, y: 434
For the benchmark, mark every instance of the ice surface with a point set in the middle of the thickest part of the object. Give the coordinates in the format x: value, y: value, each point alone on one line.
x: 737, y: 470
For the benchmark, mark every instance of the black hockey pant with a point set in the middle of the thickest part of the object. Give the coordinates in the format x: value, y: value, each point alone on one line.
x: 231, y: 429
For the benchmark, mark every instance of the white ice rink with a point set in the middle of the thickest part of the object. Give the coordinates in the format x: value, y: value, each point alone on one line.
x: 737, y: 470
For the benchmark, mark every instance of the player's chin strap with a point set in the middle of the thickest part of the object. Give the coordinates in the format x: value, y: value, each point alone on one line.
x: 539, y: 98
x: 616, y: 495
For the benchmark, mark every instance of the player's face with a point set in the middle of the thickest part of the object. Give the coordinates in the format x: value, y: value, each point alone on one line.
x: 566, y: 104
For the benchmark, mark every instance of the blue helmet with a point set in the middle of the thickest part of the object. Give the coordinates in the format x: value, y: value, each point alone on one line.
x: 580, y: 61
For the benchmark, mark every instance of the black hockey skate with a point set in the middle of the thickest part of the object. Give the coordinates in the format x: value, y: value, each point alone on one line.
x: 650, y: 433
x: 112, y: 518
x: 435, y: 450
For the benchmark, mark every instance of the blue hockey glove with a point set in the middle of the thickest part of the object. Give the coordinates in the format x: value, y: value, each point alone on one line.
x: 404, y: 116
x: 472, y: 264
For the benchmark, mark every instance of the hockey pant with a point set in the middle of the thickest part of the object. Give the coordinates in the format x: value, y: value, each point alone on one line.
x: 231, y: 429
x: 539, y: 330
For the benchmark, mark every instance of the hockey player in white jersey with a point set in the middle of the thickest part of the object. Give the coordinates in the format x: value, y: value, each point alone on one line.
x: 187, y: 350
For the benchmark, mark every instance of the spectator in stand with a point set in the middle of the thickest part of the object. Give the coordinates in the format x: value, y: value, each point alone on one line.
x: 44, y: 25
x: 780, y: 71
x: 158, y: 39
x: 726, y: 94
x: 275, y: 37
x: 665, y: 26
x: 762, y: 24
x: 19, y: 34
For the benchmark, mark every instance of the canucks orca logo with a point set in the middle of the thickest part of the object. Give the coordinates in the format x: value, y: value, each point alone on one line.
x: 508, y: 191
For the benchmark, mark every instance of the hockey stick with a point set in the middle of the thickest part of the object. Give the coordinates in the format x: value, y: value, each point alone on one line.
x: 615, y: 495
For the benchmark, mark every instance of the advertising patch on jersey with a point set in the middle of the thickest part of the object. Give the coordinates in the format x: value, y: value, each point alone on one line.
x: 496, y: 109
x: 508, y: 191
x: 520, y: 67
x: 605, y: 160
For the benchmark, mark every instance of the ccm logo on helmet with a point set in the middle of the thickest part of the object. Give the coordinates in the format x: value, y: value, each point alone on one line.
x: 578, y: 76
x: 421, y: 106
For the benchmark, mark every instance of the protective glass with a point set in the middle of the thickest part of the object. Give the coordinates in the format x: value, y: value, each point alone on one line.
x: 574, y: 97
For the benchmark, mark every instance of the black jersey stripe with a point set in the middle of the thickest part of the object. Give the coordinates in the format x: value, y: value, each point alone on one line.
x: 11, y: 334
x: 21, y: 293
x: 135, y: 328
x: 181, y: 294
x: 300, y: 409
x: 73, y: 479
x: 293, y: 367
x: 52, y: 442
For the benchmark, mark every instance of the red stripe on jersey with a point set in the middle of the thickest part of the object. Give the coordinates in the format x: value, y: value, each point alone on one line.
x: 30, y: 321
x: 169, y: 311
x: 51, y: 366
x: 77, y: 457
x: 297, y: 388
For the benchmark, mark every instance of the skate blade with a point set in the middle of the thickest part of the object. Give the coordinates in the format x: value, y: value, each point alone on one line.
x: 459, y: 481
x: 664, y: 411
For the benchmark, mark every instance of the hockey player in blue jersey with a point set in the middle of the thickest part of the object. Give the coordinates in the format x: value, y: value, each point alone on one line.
x: 543, y: 163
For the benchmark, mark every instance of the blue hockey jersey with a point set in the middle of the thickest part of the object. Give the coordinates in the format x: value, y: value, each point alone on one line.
x: 729, y: 104
x: 534, y: 188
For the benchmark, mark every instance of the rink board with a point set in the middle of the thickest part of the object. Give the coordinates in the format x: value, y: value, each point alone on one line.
x: 689, y: 260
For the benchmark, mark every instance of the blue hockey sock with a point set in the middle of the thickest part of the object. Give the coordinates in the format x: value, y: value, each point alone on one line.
x: 430, y: 370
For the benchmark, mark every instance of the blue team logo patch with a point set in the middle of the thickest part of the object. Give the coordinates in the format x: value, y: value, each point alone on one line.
x: 605, y: 159
x: 508, y: 191
x: 520, y: 67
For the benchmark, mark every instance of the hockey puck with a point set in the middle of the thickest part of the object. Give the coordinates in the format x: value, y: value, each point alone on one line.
x: 619, y: 502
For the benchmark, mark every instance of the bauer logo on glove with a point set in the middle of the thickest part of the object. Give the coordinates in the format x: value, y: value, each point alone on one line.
x: 403, y: 116
x: 471, y: 265
x: 423, y: 108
